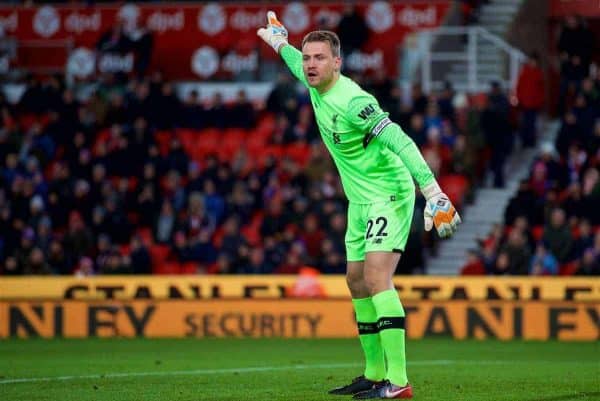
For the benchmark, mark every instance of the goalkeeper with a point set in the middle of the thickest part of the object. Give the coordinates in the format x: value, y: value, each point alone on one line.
x: 377, y: 162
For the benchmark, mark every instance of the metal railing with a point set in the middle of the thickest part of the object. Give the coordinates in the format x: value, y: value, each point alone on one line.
x: 471, y: 44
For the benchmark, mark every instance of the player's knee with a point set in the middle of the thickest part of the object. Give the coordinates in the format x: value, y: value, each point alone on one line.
x: 356, y: 284
x: 376, y: 282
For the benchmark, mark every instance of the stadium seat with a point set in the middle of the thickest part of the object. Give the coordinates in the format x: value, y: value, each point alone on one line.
x: 189, y: 268
x: 125, y: 249
x: 159, y: 254
x: 251, y: 231
x: 186, y: 137
x: 537, y: 232
x: 163, y: 140
x: 145, y: 233
x: 568, y: 269
x: 265, y: 126
x: 231, y: 142
x: 167, y: 268
x: 455, y: 186
x: 299, y: 152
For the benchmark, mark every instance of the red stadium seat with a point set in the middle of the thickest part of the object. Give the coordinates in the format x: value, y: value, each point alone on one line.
x: 146, y: 236
x: 455, y: 186
x: 299, y: 152
x: 265, y: 126
x: 189, y: 268
x: 163, y: 139
x: 231, y: 143
x: 251, y: 231
x: 568, y: 269
x: 167, y: 268
x: 537, y: 232
x: 125, y: 249
x: 159, y: 254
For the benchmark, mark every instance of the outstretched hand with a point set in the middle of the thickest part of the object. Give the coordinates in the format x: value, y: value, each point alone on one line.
x: 274, y: 34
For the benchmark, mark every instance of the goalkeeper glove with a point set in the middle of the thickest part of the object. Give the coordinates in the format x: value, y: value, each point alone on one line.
x: 275, y: 33
x: 439, y: 211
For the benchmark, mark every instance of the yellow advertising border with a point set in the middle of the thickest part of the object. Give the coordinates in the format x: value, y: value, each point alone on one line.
x: 506, y: 320
x: 584, y: 289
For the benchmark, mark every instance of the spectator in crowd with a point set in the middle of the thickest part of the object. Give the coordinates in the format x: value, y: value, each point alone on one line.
x: 557, y: 236
x: 242, y: 114
x: 497, y: 131
x: 517, y: 250
x: 530, y: 95
x: 543, y: 263
x: 474, y: 265
x: 575, y: 46
x: 352, y: 30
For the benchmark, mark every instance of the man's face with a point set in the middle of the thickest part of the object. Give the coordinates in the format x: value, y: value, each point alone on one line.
x: 319, y: 64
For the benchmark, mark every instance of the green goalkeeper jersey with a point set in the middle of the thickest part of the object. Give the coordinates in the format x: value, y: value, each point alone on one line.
x: 372, y: 166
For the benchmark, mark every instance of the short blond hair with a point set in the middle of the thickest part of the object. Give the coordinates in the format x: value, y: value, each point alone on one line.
x: 324, y: 36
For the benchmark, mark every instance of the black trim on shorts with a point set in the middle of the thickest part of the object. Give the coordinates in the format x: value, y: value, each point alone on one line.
x: 397, y: 250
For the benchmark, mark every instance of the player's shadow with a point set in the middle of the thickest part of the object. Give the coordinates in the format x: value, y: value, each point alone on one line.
x: 580, y: 396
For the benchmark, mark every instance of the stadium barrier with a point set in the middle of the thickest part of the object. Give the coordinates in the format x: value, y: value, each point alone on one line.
x: 537, y: 308
x: 410, y: 288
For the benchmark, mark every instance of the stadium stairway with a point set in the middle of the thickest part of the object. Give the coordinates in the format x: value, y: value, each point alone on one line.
x: 496, y: 17
x: 488, y: 209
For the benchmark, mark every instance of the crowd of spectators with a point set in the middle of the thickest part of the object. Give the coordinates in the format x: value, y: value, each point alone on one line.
x: 133, y: 179
x: 552, y: 224
x: 136, y: 179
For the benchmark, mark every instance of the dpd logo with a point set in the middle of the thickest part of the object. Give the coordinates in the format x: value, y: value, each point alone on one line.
x: 46, y: 21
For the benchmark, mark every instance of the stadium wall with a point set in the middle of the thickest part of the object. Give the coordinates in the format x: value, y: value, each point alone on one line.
x: 243, y: 306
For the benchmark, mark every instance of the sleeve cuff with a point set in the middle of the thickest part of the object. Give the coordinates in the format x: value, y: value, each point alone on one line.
x: 431, y: 190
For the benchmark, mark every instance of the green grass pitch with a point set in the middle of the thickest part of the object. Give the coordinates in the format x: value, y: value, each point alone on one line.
x: 290, y: 370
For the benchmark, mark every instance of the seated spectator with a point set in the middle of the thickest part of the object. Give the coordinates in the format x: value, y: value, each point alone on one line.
x: 557, y: 236
x: 518, y: 252
x: 85, y: 267
x: 139, y: 258
x: 36, y: 264
x: 590, y: 264
x: 474, y: 265
x: 165, y: 223
x: 242, y: 114
x: 543, y: 262
x: 256, y: 264
x: 501, y: 266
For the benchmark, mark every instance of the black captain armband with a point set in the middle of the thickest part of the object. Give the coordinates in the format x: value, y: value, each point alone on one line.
x: 376, y: 130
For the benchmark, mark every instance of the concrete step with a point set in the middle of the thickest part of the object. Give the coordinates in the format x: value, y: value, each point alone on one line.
x: 496, y: 18
x: 485, y: 79
x: 508, y: 2
x: 499, y: 8
x: 497, y: 29
x: 481, y: 68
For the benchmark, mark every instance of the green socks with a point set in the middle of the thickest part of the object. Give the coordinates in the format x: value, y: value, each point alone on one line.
x: 366, y: 318
x: 390, y: 322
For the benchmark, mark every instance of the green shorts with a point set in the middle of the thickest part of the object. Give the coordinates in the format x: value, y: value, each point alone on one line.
x: 381, y: 226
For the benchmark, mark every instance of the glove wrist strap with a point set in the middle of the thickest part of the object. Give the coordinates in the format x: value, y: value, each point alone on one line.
x: 431, y: 190
x: 278, y: 45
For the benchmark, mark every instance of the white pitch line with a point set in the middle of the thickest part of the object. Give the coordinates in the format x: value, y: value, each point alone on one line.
x: 202, y: 372
x: 199, y: 372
